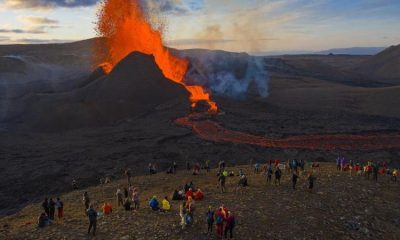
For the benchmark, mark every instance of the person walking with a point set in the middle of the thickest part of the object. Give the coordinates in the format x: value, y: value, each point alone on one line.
x: 60, y: 208
x: 92, y: 215
x: 230, y: 224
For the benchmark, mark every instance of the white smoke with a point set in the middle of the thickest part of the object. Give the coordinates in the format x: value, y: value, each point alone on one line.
x: 227, y: 74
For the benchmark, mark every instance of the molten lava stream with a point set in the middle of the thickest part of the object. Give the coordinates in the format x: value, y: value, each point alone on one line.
x: 212, y: 131
x: 124, y: 26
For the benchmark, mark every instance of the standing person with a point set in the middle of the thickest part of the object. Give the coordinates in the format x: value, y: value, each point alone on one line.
x: 135, y: 199
x: 302, y: 163
x: 60, y: 208
x: 120, y: 197
x: 126, y: 192
x: 230, y: 224
x: 278, y: 174
x: 338, y: 163
x: 257, y: 168
x: 311, y: 180
x: 128, y: 176
x: 207, y: 165
x: 375, y: 170
x: 52, y: 208
x: 92, y: 215
x: 86, y: 200
x: 45, y: 206
x: 187, y: 166
x: 294, y: 180
x: 174, y: 167
x: 210, y: 220
x: 74, y: 184
x: 182, y: 214
x: 221, y: 181
x: 269, y: 174
x: 219, y: 222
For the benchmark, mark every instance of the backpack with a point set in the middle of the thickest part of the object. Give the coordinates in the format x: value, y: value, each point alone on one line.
x: 218, y: 219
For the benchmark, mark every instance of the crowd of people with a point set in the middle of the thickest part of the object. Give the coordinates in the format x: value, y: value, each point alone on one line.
x: 128, y: 198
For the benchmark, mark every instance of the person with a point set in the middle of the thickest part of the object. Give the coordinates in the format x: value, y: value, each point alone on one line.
x: 52, y: 208
x: 86, y: 200
x: 60, y: 208
x: 219, y: 222
x: 187, y: 166
x: 230, y: 224
x: 221, y: 181
x: 278, y: 174
x: 176, y: 196
x: 240, y: 172
x: 150, y: 168
x: 207, y: 165
x: 107, y: 208
x: 311, y: 180
x: 182, y: 214
x: 126, y: 192
x: 92, y: 215
x: 269, y: 174
x: 375, y: 170
x: 120, y: 197
x: 127, y: 204
x: 198, y: 195
x: 174, y: 167
x: 243, y: 181
x: 170, y: 170
x: 45, y: 206
x: 128, y: 176
x: 154, y: 204
x: 210, y: 220
x: 302, y: 164
x: 395, y: 173
x: 257, y: 168
x: 74, y: 184
x: 135, y: 199
x: 295, y: 165
x: 166, y: 206
x: 196, y: 169
x: 43, y: 220
x: 294, y: 180
x: 338, y: 163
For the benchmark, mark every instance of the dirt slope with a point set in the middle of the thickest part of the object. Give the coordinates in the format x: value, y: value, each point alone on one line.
x: 341, y: 207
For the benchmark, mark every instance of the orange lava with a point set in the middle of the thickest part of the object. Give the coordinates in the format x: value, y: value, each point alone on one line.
x: 212, y: 131
x: 126, y: 29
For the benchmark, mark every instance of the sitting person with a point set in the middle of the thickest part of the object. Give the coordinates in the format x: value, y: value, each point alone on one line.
x: 196, y: 169
x: 154, y: 204
x: 198, y: 195
x: 177, y: 196
x: 243, y: 181
x: 170, y: 170
x: 107, y: 208
x: 43, y: 220
x: 231, y: 174
x: 166, y: 206
x: 189, y: 193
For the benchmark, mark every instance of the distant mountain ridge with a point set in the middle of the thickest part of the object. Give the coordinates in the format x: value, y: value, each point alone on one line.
x: 336, y: 51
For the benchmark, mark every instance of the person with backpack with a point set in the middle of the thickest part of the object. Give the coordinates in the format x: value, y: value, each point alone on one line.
x: 210, y: 220
x: 294, y: 180
x: 52, y: 208
x: 278, y: 174
x: 219, y: 222
x: 45, y: 206
x: 230, y: 224
x: 60, y: 208
x: 92, y: 215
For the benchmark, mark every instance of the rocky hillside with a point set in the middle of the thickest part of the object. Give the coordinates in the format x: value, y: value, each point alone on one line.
x: 341, y: 207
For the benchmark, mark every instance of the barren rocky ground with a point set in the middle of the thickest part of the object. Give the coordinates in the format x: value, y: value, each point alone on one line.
x: 341, y: 207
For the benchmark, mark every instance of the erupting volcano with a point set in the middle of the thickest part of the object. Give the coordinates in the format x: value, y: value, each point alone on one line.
x: 124, y: 26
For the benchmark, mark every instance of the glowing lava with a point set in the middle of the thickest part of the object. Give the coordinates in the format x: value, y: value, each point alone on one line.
x: 125, y: 28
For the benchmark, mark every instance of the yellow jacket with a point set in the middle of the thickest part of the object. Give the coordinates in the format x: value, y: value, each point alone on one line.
x: 166, y: 205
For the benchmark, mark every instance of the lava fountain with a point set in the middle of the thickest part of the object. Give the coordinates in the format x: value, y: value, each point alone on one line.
x: 125, y: 28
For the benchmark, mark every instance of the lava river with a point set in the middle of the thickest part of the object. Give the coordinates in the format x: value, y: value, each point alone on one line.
x: 212, y: 131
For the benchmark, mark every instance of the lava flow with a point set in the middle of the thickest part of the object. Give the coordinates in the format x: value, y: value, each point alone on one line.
x: 124, y: 26
x: 212, y: 131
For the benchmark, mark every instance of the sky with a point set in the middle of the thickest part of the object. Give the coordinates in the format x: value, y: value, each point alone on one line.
x: 233, y: 25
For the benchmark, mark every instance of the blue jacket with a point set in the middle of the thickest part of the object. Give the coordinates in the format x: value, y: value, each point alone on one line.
x: 153, y: 203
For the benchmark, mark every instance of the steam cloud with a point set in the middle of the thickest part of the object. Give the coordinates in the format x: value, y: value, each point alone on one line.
x: 227, y: 74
